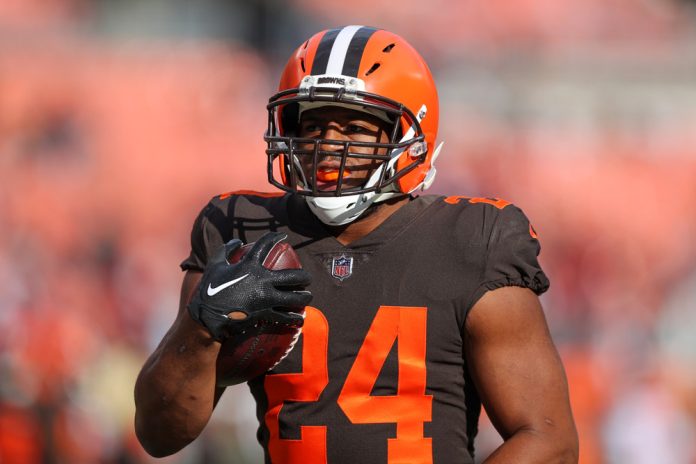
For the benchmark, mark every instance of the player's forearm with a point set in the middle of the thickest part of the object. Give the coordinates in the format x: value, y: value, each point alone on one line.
x: 529, y: 446
x: 175, y: 391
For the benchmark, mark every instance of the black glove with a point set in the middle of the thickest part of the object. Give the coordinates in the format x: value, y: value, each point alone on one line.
x: 266, y: 297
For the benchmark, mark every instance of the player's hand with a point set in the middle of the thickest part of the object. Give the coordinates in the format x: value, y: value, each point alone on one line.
x: 265, y: 296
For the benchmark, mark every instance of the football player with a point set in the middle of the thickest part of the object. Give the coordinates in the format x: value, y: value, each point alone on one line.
x: 423, y: 307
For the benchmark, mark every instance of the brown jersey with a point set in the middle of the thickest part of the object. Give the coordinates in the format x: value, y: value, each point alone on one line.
x: 379, y: 374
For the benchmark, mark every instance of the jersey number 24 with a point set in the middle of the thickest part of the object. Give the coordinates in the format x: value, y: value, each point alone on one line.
x: 410, y: 408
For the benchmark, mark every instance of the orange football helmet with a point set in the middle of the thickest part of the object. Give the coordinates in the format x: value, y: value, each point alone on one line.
x: 366, y: 69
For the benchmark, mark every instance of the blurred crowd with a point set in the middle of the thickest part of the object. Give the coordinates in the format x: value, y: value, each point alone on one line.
x: 119, y: 120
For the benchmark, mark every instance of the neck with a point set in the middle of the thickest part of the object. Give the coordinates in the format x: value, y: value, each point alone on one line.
x: 365, y: 224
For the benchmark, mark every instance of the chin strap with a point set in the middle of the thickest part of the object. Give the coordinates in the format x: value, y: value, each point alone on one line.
x: 338, y: 211
x: 430, y: 177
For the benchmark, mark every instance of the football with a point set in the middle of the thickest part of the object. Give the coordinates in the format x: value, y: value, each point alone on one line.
x: 245, y: 356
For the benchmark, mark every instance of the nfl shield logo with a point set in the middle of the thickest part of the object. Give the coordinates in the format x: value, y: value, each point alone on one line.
x: 342, y: 267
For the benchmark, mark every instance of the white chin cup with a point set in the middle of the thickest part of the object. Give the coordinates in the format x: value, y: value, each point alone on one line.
x: 337, y: 211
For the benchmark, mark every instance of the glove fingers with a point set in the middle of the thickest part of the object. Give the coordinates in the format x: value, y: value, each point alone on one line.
x: 268, y: 317
x: 303, y: 298
x: 264, y: 245
x: 222, y: 253
x: 232, y: 246
x: 291, y: 299
x: 287, y: 318
x: 291, y: 278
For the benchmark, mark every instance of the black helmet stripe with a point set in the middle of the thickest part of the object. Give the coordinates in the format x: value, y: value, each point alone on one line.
x: 323, y: 51
x: 341, y: 50
x: 355, y: 51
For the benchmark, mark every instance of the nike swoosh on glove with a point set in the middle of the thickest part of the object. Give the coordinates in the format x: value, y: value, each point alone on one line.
x: 265, y: 296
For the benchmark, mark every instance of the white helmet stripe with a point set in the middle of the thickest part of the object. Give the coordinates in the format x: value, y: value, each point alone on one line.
x: 340, y: 49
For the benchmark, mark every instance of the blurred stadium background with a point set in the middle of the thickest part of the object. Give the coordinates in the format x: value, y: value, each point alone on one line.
x: 120, y: 118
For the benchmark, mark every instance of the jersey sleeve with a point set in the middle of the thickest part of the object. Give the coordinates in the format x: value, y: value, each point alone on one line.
x: 242, y: 214
x: 204, y: 238
x: 512, y: 255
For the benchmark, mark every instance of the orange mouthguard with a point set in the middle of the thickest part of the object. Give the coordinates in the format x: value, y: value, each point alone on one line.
x: 331, y: 175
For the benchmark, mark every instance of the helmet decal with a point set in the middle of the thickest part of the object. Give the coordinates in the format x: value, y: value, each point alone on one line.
x: 341, y: 50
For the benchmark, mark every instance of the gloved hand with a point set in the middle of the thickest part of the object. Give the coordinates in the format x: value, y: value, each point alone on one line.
x: 265, y: 296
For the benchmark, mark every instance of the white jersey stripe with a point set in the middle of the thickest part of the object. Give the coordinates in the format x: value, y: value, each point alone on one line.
x: 340, y: 49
